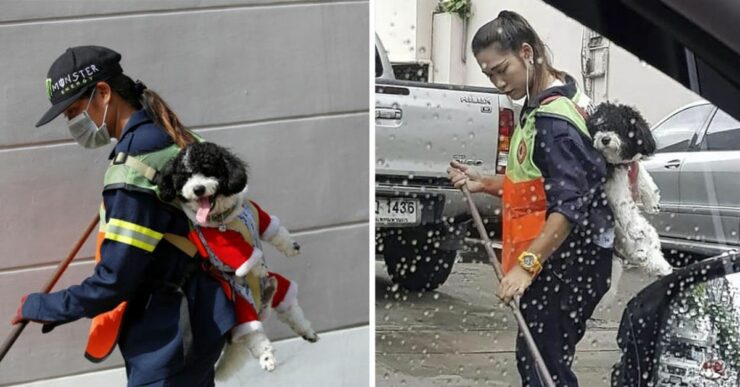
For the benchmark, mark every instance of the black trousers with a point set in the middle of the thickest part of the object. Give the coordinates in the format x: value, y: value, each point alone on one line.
x: 200, y: 373
x: 556, y: 307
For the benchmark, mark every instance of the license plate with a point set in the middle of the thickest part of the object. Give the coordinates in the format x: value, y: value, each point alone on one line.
x: 397, y: 211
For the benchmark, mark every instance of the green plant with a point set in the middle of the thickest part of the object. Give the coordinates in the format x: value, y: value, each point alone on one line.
x: 460, y: 7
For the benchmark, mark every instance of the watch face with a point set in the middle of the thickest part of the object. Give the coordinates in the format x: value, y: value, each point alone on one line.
x: 528, y: 260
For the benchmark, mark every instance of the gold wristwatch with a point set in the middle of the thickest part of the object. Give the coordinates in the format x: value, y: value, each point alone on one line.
x: 530, y: 262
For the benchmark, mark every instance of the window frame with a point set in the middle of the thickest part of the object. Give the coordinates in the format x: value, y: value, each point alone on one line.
x: 702, y: 140
x: 694, y: 141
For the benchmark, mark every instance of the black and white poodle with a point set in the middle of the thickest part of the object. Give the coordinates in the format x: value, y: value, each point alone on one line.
x: 209, y: 184
x: 621, y: 134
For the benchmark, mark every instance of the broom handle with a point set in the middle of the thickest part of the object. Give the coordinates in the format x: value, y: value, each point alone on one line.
x: 18, y: 328
x: 514, y: 303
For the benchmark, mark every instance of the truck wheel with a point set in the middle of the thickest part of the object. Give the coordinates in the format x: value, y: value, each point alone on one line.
x: 413, y: 262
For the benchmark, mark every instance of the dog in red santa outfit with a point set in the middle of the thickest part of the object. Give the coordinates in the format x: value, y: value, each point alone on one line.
x: 209, y: 183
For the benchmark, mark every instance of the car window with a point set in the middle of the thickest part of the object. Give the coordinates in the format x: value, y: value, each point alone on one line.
x: 675, y: 133
x: 723, y: 133
x: 378, y: 64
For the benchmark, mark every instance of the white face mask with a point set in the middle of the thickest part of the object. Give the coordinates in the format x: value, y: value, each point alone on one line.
x: 86, y: 132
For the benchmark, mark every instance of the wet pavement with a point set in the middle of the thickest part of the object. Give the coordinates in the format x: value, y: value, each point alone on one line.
x: 461, y: 334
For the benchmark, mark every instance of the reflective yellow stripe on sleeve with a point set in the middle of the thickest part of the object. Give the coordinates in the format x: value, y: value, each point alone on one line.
x: 132, y: 234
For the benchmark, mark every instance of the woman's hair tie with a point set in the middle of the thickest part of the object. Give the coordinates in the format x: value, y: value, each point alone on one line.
x: 139, y: 87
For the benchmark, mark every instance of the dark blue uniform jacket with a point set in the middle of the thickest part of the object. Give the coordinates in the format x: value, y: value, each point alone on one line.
x: 574, y: 173
x: 151, y: 338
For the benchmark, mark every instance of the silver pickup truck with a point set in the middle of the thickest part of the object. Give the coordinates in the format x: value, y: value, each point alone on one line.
x: 420, y: 218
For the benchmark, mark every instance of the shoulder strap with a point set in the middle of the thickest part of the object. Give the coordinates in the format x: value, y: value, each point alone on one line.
x: 182, y: 243
x: 580, y: 110
x: 564, y: 108
x: 136, y: 164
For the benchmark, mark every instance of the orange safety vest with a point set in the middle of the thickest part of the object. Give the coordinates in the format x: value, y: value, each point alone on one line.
x: 104, y: 329
x: 524, y: 199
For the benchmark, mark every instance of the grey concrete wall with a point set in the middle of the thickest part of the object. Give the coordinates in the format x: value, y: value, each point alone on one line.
x: 283, y: 83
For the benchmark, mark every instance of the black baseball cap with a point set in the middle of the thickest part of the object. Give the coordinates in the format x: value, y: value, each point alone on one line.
x: 76, y: 71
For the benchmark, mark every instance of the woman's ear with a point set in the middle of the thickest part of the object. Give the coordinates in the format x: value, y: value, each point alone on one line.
x: 527, y: 53
x: 103, y: 90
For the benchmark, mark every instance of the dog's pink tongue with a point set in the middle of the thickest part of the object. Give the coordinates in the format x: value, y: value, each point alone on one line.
x: 205, y: 207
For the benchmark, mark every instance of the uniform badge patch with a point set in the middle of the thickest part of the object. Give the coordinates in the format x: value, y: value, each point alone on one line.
x: 521, y: 152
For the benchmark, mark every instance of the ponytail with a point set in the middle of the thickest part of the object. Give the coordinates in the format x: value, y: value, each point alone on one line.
x: 166, y: 118
x: 139, y: 96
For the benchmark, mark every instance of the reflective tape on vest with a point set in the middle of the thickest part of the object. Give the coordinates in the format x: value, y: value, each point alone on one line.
x: 132, y: 234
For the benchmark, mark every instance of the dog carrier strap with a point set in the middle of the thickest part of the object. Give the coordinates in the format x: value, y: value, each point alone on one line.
x: 139, y: 166
x: 247, y: 216
x: 182, y: 243
x: 138, y: 171
x: 176, y: 287
x: 580, y: 110
x: 226, y: 272
x: 186, y: 329
x: 565, y: 109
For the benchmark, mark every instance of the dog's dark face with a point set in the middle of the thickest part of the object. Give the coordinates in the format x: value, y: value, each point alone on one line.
x: 205, y: 177
x: 620, y: 133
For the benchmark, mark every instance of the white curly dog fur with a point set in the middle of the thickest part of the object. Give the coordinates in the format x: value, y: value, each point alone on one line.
x: 624, y: 138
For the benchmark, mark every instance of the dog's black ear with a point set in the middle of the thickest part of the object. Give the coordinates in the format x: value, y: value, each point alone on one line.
x: 596, y: 118
x: 645, y: 140
x: 165, y: 180
x: 236, y: 172
x: 648, y: 141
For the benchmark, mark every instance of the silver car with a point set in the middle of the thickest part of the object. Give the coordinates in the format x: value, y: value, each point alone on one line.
x: 697, y: 168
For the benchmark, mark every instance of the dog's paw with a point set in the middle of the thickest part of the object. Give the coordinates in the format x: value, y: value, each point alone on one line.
x: 289, y: 248
x: 285, y: 243
x: 650, y: 206
x: 652, y: 209
x: 268, y: 361
x: 651, y: 202
x: 663, y: 270
x: 311, y: 337
x: 294, y: 250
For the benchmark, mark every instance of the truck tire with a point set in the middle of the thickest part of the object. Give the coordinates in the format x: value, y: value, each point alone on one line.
x: 412, y: 260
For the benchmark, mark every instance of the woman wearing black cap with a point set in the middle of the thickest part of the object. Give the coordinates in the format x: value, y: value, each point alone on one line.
x: 145, y: 284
